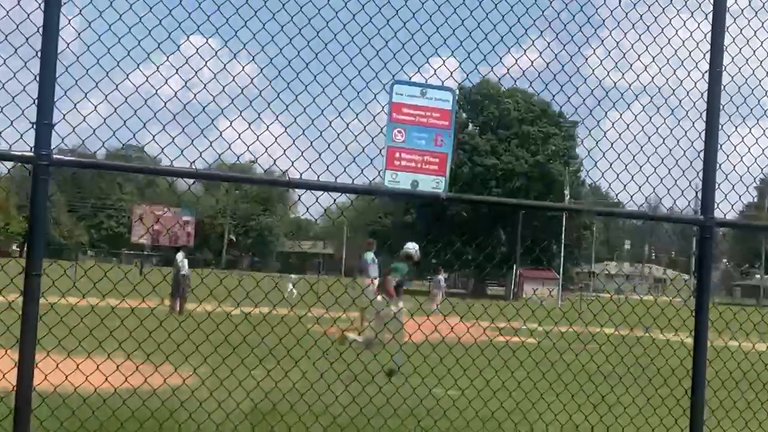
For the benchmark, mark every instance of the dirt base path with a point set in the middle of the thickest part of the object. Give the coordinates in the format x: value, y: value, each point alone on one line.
x: 472, y: 325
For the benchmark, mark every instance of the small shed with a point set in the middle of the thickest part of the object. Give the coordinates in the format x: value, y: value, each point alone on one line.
x: 537, y: 282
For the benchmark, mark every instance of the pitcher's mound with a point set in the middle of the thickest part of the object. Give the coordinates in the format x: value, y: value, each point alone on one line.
x: 55, y: 372
x: 433, y: 329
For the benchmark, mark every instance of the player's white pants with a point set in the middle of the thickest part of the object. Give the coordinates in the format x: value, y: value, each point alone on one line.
x: 384, y: 320
x: 394, y: 329
x: 291, y: 290
x: 366, y: 303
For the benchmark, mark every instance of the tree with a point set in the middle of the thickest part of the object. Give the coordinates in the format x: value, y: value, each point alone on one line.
x: 13, y: 225
x: 90, y: 208
x: 64, y: 229
x: 253, y: 217
x: 102, y: 201
x: 744, y: 247
x: 382, y: 219
x: 299, y: 228
x: 610, y: 232
x: 67, y: 234
x: 510, y: 143
x: 665, y: 244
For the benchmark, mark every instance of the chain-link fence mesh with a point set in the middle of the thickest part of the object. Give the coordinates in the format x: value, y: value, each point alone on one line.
x: 516, y: 316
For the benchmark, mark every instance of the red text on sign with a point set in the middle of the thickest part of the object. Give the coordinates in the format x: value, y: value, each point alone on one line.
x: 417, y: 162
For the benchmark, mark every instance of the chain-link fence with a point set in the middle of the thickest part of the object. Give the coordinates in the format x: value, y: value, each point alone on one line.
x: 203, y: 226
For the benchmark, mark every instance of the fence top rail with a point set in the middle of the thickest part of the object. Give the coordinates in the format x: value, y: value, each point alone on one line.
x: 343, y: 188
x: 740, y: 224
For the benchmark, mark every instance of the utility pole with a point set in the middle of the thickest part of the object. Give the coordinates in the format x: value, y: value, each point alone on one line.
x: 344, y: 249
x: 225, y: 240
x: 591, y: 202
x: 695, y: 206
x: 644, y: 277
x: 567, y: 193
x: 762, y: 251
x: 518, y: 240
x: 693, y: 256
x: 592, y: 272
x: 510, y: 290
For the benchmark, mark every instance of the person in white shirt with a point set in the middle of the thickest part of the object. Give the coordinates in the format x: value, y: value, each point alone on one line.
x: 291, y: 286
x: 180, y: 281
x: 365, y: 299
x: 437, y: 289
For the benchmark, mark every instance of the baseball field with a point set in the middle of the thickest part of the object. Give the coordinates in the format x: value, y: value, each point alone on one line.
x: 247, y: 357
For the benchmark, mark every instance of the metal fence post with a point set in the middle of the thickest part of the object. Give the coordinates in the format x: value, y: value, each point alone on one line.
x: 38, y: 216
x: 706, y: 231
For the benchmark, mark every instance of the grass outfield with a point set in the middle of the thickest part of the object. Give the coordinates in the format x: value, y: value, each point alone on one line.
x: 597, y: 365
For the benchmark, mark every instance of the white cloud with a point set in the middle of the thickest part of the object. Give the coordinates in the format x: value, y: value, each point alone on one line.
x: 23, y: 20
x: 656, y: 58
x: 200, y: 71
x: 20, y: 24
x: 164, y: 102
x: 440, y: 71
x: 252, y: 137
x: 203, y: 102
x: 532, y: 58
x: 742, y: 161
x: 636, y: 153
x: 670, y: 52
x: 357, y: 136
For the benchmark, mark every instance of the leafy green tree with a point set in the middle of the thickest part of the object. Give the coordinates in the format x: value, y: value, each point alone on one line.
x: 299, y: 228
x: 744, y: 246
x: 252, y: 217
x: 91, y: 208
x: 102, y: 201
x: 510, y: 143
x: 13, y: 225
x: 64, y: 232
x: 388, y: 221
x: 610, y: 233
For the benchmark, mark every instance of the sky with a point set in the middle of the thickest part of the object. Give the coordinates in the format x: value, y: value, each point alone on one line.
x: 302, y: 85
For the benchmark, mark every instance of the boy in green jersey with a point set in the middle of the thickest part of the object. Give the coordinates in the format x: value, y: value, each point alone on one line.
x: 396, y: 276
x: 394, y: 280
x: 391, y: 286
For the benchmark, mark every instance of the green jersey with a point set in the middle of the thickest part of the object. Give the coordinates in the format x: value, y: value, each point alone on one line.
x: 398, y: 270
